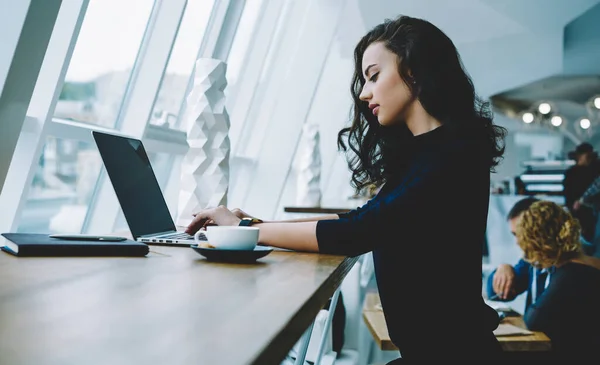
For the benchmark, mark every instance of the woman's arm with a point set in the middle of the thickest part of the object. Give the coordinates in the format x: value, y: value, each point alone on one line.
x: 241, y: 214
x: 307, y: 219
x: 297, y: 236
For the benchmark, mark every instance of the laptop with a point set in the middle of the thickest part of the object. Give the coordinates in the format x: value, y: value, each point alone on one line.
x: 138, y: 192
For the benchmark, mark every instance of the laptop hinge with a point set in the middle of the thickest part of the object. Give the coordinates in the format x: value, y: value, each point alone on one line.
x: 157, y: 234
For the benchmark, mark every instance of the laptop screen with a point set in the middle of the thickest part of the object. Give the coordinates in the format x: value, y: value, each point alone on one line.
x: 135, y: 184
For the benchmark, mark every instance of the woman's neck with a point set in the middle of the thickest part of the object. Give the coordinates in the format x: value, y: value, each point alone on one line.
x: 419, y: 121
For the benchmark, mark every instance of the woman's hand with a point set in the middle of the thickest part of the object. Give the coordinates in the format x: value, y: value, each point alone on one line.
x: 220, y: 216
x: 240, y: 213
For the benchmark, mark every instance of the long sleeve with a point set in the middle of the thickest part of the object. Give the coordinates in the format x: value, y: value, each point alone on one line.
x: 366, y: 229
x: 404, y: 209
x: 521, y: 281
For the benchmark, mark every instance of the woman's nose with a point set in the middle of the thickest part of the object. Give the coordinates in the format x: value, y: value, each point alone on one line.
x: 365, y: 94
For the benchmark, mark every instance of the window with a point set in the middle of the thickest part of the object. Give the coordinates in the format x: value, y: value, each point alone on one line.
x: 171, y: 96
x: 62, y: 187
x: 241, y: 41
x: 103, y: 60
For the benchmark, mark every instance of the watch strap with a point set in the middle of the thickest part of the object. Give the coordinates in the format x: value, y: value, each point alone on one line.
x: 247, y: 222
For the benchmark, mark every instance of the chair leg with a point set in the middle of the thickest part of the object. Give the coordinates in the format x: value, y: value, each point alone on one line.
x: 304, y: 345
x: 323, y: 339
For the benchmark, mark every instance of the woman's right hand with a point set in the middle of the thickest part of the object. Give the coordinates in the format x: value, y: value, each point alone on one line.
x: 240, y: 213
x: 504, y: 281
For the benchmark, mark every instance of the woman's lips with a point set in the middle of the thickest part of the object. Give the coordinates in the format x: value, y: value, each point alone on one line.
x: 376, y: 110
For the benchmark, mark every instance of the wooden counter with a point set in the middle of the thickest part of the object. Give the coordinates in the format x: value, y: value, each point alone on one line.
x: 171, y: 307
x: 375, y: 321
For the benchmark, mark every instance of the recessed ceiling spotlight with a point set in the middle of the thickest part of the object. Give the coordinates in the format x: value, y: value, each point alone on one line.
x: 585, y: 123
x: 527, y: 117
x: 597, y: 102
x: 545, y: 108
x: 556, y: 121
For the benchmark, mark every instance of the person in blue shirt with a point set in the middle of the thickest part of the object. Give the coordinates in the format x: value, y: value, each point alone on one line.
x: 567, y: 310
x: 507, y: 282
x: 421, y: 134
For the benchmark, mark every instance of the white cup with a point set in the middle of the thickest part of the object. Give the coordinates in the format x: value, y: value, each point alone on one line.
x: 230, y: 237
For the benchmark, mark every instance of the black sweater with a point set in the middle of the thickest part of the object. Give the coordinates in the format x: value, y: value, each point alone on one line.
x: 568, y: 311
x: 427, y: 225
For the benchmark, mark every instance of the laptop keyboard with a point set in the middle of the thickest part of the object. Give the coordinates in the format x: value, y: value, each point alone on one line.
x: 183, y: 236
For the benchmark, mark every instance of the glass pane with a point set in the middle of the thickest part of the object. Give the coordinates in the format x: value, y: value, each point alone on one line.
x: 181, y: 63
x: 241, y: 41
x: 62, y: 187
x: 165, y: 167
x: 104, y: 56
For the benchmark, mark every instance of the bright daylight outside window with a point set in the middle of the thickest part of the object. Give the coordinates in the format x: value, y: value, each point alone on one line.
x: 241, y: 42
x: 62, y: 186
x: 104, y: 56
x: 171, y: 96
x: 96, y: 81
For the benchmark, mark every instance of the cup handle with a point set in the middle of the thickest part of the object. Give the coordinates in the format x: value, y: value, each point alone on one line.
x: 196, y: 239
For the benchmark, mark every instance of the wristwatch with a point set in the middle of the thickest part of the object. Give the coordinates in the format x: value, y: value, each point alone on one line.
x: 247, y: 222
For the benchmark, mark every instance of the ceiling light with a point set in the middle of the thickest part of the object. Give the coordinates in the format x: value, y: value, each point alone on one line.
x: 585, y: 123
x: 556, y: 121
x: 527, y: 117
x: 597, y: 102
x: 545, y: 108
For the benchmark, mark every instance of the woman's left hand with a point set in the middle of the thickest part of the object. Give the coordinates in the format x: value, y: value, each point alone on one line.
x: 221, y: 216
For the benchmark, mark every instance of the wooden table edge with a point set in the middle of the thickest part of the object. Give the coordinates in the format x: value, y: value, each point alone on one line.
x: 276, y: 350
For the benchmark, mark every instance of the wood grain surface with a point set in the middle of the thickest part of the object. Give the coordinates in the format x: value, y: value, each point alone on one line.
x: 375, y: 321
x: 171, y: 307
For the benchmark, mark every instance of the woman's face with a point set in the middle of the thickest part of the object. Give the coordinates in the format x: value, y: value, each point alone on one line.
x: 387, y: 94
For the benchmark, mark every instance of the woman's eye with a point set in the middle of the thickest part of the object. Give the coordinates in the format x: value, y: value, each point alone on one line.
x: 374, y: 77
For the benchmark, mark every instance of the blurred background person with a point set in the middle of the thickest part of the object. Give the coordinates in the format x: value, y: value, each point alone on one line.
x: 507, y: 281
x: 577, y: 180
x: 567, y: 310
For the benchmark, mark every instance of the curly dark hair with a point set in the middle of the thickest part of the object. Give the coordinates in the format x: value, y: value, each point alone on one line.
x: 548, y: 235
x: 431, y: 67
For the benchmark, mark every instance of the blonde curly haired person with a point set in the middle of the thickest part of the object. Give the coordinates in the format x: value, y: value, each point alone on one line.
x: 567, y: 311
x: 549, y: 235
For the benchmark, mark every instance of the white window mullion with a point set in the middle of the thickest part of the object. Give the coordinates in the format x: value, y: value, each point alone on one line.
x: 67, y: 129
x: 265, y: 97
x: 217, y: 40
x: 150, y: 67
x: 262, y: 39
x: 221, y: 28
x: 11, y: 24
x: 305, y: 64
x: 63, y: 27
x: 134, y: 116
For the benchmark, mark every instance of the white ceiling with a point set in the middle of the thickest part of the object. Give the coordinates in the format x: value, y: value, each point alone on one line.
x: 474, y: 20
x: 503, y: 43
x: 541, y: 14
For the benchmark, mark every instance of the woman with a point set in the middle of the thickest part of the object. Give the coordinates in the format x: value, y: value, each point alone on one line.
x: 567, y: 311
x: 421, y: 134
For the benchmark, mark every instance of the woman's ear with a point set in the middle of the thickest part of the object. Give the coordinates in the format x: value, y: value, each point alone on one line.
x: 411, y: 78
